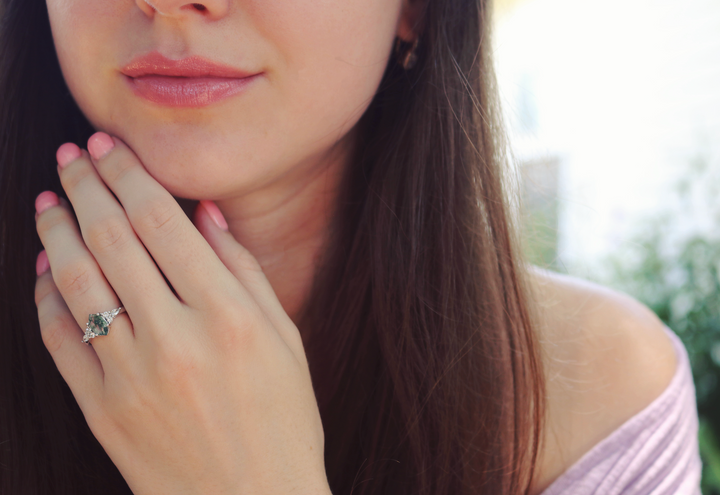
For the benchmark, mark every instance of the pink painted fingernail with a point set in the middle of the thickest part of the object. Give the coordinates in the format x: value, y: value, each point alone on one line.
x: 67, y: 153
x: 42, y: 264
x: 45, y: 200
x: 214, y: 213
x: 100, y: 144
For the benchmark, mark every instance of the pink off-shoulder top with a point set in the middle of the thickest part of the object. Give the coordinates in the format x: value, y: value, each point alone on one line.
x: 654, y: 452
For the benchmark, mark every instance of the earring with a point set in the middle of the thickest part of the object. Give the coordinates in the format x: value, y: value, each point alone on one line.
x: 408, y: 59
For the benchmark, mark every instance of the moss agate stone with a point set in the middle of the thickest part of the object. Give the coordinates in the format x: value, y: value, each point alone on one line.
x: 98, y: 325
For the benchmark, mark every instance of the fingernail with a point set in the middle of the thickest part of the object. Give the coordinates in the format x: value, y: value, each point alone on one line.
x: 67, y: 153
x: 100, y: 144
x: 42, y: 263
x: 45, y: 200
x: 214, y: 212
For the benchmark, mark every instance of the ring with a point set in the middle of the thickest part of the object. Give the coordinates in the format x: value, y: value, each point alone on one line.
x: 99, y: 323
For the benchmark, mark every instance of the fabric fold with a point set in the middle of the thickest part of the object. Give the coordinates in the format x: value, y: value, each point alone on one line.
x: 655, y: 452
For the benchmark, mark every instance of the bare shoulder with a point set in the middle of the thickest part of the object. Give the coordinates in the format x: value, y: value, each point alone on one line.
x: 606, y: 358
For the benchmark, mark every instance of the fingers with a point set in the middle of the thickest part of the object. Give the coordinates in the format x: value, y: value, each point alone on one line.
x: 108, y: 235
x: 238, y: 260
x: 77, y: 363
x: 243, y: 265
x: 181, y: 252
x: 78, y: 280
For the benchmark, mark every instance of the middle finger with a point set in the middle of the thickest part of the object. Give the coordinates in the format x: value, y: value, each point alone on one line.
x: 110, y: 238
x: 195, y: 271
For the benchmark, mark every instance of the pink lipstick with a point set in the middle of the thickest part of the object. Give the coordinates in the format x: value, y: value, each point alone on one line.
x: 188, y: 82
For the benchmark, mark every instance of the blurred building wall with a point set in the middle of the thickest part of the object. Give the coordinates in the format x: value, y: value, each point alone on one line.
x: 621, y: 95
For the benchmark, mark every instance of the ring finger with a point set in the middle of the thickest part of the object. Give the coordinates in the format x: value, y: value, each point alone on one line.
x: 113, y: 243
x: 78, y: 277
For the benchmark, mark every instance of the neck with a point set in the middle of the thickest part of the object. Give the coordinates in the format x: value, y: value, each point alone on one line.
x: 285, y: 224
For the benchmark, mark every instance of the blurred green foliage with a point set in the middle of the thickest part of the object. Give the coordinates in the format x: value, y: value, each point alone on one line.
x: 539, y: 210
x: 540, y: 235
x: 684, y: 291
x: 672, y: 265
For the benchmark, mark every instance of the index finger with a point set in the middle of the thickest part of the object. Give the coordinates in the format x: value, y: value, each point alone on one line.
x: 182, y: 253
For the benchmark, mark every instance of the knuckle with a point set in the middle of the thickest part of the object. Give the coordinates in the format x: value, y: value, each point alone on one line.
x: 55, y: 330
x: 158, y: 217
x: 74, y: 279
x: 239, y: 339
x: 109, y: 235
x: 43, y: 288
x: 51, y: 219
x: 246, y: 261
x: 237, y: 330
x: 75, y: 176
x: 113, y: 168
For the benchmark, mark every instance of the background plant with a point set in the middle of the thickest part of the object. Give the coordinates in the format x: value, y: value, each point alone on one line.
x: 672, y: 264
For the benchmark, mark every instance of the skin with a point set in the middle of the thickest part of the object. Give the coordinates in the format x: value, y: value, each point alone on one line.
x: 270, y: 159
x: 204, y: 389
x: 606, y: 358
x: 204, y: 392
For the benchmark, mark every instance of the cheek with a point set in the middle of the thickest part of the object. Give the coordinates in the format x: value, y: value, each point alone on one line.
x: 323, y: 59
x: 329, y: 59
x: 88, y: 47
x: 334, y: 52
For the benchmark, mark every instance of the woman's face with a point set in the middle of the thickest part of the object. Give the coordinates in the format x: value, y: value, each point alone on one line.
x: 320, y: 61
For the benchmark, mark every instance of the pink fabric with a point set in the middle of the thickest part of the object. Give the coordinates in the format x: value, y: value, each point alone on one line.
x: 654, y: 452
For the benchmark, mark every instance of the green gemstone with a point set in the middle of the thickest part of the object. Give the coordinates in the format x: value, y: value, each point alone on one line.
x: 98, y: 325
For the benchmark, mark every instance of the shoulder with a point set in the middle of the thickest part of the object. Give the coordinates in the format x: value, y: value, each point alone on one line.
x: 606, y: 358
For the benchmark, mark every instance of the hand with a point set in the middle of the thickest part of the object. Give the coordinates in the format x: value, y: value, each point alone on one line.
x: 206, y: 391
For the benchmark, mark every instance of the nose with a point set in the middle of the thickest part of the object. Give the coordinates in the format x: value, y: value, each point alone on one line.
x: 213, y: 9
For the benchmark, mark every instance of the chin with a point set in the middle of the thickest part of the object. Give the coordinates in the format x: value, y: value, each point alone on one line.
x: 186, y: 172
x: 182, y: 176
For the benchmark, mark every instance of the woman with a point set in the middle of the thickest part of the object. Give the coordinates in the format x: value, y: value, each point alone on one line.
x: 292, y: 214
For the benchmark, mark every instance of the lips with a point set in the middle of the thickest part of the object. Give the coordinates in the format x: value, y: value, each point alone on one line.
x: 188, y: 82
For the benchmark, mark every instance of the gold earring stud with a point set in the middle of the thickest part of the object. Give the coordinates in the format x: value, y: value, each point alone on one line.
x: 408, y: 59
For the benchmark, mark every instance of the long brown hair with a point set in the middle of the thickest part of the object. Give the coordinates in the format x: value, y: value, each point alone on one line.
x: 422, y: 348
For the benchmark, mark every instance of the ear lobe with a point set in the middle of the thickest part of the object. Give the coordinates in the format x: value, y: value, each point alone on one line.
x: 410, y: 20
